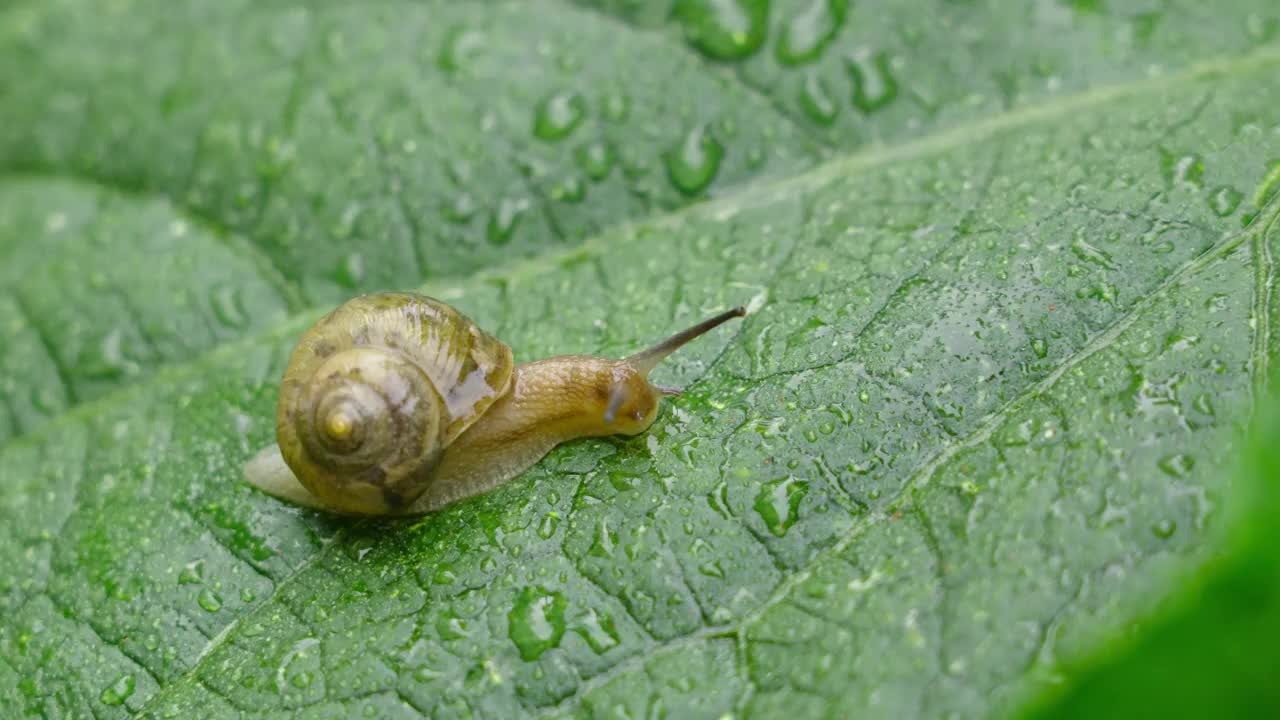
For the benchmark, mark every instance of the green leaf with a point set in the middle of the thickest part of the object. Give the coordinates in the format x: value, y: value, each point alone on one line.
x: 1007, y: 320
x: 1212, y: 651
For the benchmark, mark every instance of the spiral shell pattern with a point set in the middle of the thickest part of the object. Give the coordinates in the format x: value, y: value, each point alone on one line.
x: 376, y: 390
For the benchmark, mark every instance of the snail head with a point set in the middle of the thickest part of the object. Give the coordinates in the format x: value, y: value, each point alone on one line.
x: 632, y: 401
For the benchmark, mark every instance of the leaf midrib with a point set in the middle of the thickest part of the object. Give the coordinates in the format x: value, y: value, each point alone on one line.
x: 1267, y: 220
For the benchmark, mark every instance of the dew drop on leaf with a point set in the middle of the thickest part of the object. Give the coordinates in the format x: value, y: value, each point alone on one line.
x: 209, y: 601
x: 604, y: 542
x: 1091, y: 254
x: 444, y: 575
x: 615, y: 107
x: 694, y: 163
x: 712, y: 569
x: 569, y: 190
x: 1178, y: 465
x: 192, y: 573
x: 350, y: 271
x: 558, y: 115
x: 111, y: 361
x: 816, y: 100
x: 1184, y: 169
x: 548, y: 526
x: 599, y: 632
x: 44, y: 399
x: 286, y: 675
x: 451, y: 627
x: 1040, y: 347
x: 724, y: 29
x: 536, y: 621
x: 873, y: 83
x: 228, y: 306
x: 460, y: 209
x: 778, y: 503
x: 118, y: 691
x: 460, y: 45
x: 503, y: 221
x: 1225, y: 200
x: 806, y: 34
x: 1204, y: 404
x: 596, y: 160
x: 1164, y: 529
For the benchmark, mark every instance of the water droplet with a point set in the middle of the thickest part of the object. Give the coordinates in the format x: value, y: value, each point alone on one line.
x: 1225, y: 200
x: 1164, y: 529
x: 570, y: 190
x: 840, y: 412
x: 873, y: 83
x: 599, y: 632
x: 694, y: 164
x: 549, y: 525
x: 228, y: 306
x: 712, y: 569
x: 718, y: 500
x: 44, y: 398
x: 504, y: 220
x: 1179, y: 465
x: 1039, y: 347
x: 192, y: 573
x: 350, y: 271
x: 605, y: 540
x: 452, y: 627
x: 284, y: 674
x: 1182, y: 169
x: 724, y: 29
x: 596, y: 160
x: 444, y: 575
x: 1106, y: 292
x: 209, y: 600
x: 459, y: 45
x: 1204, y: 404
x: 461, y: 209
x: 1091, y: 254
x: 778, y: 503
x: 616, y: 107
x: 112, y: 360
x: 536, y: 621
x: 806, y: 35
x: 117, y: 692
x: 558, y: 115
x: 816, y: 100
x: 623, y: 481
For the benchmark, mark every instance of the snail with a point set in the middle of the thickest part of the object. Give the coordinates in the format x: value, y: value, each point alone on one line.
x: 398, y: 404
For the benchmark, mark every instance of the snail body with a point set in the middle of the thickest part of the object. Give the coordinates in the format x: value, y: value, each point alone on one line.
x: 398, y: 404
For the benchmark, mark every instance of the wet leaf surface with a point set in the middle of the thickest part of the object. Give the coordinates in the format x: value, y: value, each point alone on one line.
x: 997, y: 358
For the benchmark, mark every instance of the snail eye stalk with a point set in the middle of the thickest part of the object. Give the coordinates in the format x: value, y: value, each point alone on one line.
x: 646, y: 360
x: 617, y: 394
